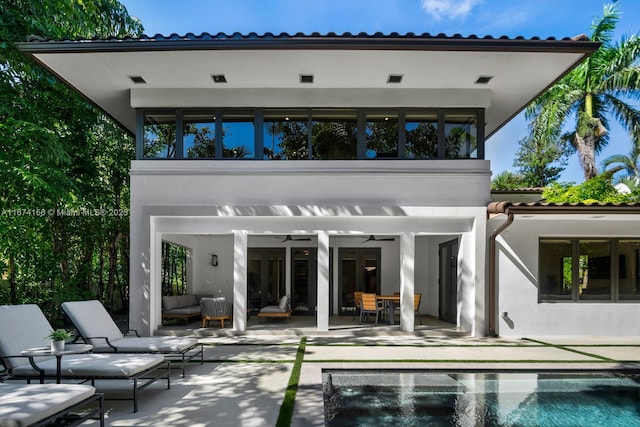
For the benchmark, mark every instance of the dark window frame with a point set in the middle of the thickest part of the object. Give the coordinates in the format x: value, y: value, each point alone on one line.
x: 615, y: 274
x: 259, y: 113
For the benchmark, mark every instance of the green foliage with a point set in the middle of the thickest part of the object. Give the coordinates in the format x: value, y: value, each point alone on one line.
x: 600, y: 88
x: 595, y: 190
x: 507, y: 180
x: 539, y: 162
x: 60, y: 158
x: 59, y: 335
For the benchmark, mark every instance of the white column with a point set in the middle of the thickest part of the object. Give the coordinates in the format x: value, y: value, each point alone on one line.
x: 323, y: 281
x: 140, y: 289
x: 239, y: 280
x: 407, y: 283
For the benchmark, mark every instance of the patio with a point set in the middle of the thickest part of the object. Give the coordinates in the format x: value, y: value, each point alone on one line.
x: 306, y: 325
x: 244, y: 379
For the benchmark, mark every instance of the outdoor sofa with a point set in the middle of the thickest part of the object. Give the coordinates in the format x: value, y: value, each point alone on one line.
x: 180, y: 307
x: 96, y: 327
x: 24, y: 327
x: 49, y: 405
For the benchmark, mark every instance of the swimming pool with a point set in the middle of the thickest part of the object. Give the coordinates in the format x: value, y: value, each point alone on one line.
x: 428, y: 398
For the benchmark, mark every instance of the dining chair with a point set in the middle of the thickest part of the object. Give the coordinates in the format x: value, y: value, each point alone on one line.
x: 416, y: 306
x: 357, y: 302
x: 370, y: 305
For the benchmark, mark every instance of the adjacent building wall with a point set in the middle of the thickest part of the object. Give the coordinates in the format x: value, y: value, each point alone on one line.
x: 520, y: 314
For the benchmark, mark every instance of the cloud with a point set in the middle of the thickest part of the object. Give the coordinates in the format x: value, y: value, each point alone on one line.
x: 450, y: 9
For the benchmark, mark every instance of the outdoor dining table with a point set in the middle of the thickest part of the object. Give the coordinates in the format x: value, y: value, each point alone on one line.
x: 393, y: 300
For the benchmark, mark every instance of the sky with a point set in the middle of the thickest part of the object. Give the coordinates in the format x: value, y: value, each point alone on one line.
x: 512, y: 18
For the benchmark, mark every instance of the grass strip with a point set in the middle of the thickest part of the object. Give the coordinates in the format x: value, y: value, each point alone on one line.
x: 562, y: 347
x: 286, y: 409
x: 427, y: 345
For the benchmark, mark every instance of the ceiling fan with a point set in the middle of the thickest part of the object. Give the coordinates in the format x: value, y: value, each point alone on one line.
x: 289, y: 238
x: 373, y: 238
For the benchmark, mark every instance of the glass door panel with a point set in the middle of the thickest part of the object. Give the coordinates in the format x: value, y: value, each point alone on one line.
x: 303, y: 281
x: 265, y: 277
x: 359, y: 271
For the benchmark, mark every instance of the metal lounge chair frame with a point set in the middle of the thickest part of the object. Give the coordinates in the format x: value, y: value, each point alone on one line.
x: 142, y: 369
x: 96, y: 327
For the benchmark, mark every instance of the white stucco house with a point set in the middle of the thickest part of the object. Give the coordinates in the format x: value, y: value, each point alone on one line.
x: 318, y: 165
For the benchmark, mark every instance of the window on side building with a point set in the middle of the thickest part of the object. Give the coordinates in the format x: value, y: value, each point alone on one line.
x: 589, y: 270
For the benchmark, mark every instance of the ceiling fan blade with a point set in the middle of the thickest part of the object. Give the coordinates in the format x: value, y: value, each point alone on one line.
x: 373, y: 238
x: 290, y: 238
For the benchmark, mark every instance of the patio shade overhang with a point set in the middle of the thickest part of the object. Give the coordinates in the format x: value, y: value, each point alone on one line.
x: 449, y: 66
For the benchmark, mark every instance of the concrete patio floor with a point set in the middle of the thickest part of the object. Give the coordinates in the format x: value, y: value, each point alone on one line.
x: 245, y: 376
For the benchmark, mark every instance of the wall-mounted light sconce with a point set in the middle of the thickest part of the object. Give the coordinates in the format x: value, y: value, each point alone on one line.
x: 214, y: 260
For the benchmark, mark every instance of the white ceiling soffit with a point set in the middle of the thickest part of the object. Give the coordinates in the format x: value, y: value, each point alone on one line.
x: 104, y: 76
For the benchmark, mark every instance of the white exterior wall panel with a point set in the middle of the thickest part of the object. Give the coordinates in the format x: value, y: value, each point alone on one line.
x: 517, y: 281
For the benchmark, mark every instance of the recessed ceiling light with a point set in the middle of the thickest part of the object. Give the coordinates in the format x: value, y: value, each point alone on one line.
x: 483, y: 80
x: 306, y: 78
x: 394, y: 78
x: 137, y: 79
x: 219, y: 78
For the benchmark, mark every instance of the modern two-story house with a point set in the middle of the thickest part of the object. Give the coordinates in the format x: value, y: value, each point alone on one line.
x: 318, y: 165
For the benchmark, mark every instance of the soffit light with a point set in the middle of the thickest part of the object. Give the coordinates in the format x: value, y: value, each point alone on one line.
x: 483, y: 80
x: 219, y: 78
x: 306, y: 78
x: 138, y: 79
x: 395, y: 78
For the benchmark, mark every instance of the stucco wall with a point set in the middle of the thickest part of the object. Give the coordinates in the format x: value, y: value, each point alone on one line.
x: 517, y: 279
x: 211, y: 200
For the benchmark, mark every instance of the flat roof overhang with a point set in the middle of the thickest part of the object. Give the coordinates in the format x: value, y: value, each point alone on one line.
x: 572, y: 211
x: 520, y: 69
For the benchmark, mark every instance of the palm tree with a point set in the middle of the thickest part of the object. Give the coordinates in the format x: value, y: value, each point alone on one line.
x: 598, y: 89
x: 628, y: 163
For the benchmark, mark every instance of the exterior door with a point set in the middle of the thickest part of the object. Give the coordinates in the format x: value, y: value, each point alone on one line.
x: 304, y: 280
x: 265, y: 276
x: 448, y: 307
x: 359, y: 271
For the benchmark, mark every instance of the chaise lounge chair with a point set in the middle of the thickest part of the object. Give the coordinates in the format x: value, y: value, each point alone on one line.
x: 49, y: 404
x: 97, y: 328
x: 23, y: 327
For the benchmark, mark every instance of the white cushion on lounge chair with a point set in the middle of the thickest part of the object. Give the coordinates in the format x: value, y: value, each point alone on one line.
x: 93, y: 365
x: 92, y: 320
x: 32, y: 334
x: 26, y: 404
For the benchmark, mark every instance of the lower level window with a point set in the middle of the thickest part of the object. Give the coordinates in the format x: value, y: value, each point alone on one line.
x: 589, y: 269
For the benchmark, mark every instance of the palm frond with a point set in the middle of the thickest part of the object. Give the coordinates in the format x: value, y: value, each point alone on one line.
x: 627, y: 115
x: 603, y: 28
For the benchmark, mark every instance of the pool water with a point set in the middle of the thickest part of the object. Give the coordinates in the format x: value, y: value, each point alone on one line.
x: 427, y: 398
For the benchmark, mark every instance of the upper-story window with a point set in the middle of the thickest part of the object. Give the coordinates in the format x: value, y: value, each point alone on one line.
x: 305, y: 134
x: 382, y: 134
x: 199, y: 135
x: 461, y: 134
x: 285, y: 135
x: 335, y: 134
x: 159, y: 135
